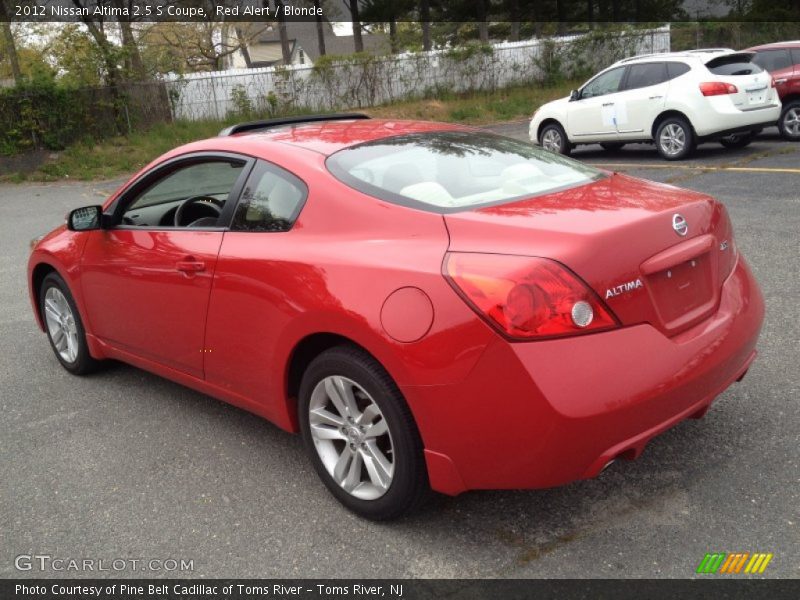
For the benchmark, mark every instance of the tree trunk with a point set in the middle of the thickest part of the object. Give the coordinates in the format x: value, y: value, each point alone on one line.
x: 393, y: 35
x: 11, y: 48
x: 133, y: 57
x: 514, y: 17
x: 483, y: 21
x: 357, y: 41
x: 286, y: 51
x: 425, y: 19
x: 590, y: 13
x: 320, y: 28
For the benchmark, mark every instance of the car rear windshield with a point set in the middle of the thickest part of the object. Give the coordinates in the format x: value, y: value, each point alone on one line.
x: 733, y: 64
x: 448, y: 171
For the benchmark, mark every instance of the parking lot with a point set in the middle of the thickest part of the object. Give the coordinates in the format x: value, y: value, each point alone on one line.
x: 124, y: 464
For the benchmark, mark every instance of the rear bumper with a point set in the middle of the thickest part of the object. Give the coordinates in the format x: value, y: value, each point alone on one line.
x: 533, y: 415
x: 732, y: 120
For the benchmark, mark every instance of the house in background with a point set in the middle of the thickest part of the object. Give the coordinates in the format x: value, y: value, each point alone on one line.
x: 265, y: 48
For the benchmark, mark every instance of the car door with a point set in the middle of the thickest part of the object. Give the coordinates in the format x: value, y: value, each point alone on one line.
x: 146, y: 281
x: 644, y: 91
x: 591, y: 116
x: 259, y: 285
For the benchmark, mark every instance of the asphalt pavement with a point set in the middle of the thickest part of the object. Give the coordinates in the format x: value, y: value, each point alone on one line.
x: 126, y: 465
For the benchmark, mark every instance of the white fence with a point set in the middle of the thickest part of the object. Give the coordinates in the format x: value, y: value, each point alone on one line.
x: 378, y: 80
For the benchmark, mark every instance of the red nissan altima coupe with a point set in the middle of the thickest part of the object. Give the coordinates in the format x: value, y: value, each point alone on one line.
x: 430, y: 306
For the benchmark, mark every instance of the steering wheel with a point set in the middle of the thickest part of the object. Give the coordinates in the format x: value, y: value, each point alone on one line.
x: 205, y: 201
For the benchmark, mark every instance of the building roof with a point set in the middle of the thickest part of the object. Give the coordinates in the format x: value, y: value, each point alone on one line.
x: 303, y: 34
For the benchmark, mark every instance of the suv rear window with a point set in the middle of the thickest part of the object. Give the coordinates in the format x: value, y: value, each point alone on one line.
x: 733, y: 64
x: 449, y: 171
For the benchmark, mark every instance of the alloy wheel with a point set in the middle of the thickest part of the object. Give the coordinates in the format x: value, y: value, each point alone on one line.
x: 672, y: 139
x: 351, y: 437
x: 791, y: 121
x: 551, y: 140
x: 61, y: 326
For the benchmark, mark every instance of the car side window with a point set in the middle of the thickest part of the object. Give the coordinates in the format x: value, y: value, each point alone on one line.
x: 773, y: 60
x: 645, y: 75
x: 271, y: 200
x: 606, y: 83
x: 796, y: 57
x: 676, y: 69
x: 208, y: 181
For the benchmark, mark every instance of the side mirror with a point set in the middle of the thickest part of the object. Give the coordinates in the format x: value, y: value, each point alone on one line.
x: 574, y: 95
x: 85, y: 219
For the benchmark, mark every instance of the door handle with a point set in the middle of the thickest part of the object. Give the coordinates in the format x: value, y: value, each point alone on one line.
x: 190, y: 265
x: 608, y: 104
x: 655, y: 97
x: 779, y: 81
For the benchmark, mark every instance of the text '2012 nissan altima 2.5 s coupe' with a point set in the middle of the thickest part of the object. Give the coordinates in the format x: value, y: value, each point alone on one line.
x: 430, y: 306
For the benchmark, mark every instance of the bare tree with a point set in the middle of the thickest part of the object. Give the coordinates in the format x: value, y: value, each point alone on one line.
x: 133, y: 58
x: 10, y: 45
x: 106, y: 48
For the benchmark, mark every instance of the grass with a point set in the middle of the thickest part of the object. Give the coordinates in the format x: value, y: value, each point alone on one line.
x: 121, y: 156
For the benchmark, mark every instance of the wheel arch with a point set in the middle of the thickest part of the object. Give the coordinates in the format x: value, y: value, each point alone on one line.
x: 667, y: 114
x: 304, y: 351
x: 545, y: 123
x: 38, y: 273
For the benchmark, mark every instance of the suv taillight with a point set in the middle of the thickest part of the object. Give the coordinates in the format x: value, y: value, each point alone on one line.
x: 717, y: 88
x: 527, y: 298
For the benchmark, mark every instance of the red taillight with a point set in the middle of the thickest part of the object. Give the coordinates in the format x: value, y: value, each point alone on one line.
x: 717, y: 88
x: 527, y: 298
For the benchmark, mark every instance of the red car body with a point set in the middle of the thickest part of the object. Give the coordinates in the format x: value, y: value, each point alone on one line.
x: 492, y: 412
x: 782, y: 61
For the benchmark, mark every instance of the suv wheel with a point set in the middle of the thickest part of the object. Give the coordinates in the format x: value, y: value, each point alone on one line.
x: 360, y: 435
x: 790, y: 121
x: 737, y: 140
x: 675, y: 138
x: 554, y: 138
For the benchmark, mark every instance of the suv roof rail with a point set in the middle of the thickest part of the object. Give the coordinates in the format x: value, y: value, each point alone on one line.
x: 268, y: 123
x: 708, y: 50
x: 638, y: 56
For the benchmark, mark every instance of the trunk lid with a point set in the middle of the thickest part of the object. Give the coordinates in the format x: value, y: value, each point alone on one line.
x: 754, y: 86
x: 619, y: 234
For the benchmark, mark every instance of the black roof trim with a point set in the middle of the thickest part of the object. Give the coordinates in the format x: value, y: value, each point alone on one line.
x: 268, y: 123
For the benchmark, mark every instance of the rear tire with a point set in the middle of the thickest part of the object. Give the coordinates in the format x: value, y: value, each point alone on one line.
x: 789, y: 124
x: 612, y: 146
x: 554, y: 138
x: 64, y: 327
x: 675, y: 138
x: 737, y: 140
x: 360, y: 435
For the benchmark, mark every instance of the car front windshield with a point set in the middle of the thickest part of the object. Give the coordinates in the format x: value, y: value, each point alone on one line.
x: 448, y: 171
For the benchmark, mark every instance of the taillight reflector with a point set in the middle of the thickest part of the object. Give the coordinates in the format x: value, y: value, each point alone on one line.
x: 527, y: 298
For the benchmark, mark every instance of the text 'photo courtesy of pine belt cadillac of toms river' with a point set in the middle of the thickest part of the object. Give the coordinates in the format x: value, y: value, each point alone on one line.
x: 431, y: 306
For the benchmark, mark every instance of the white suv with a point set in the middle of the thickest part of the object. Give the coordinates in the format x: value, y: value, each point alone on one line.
x: 676, y: 100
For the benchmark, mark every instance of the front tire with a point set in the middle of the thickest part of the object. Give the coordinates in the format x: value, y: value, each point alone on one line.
x: 737, y: 140
x: 675, y: 138
x: 64, y: 326
x: 360, y: 435
x: 789, y: 123
x: 553, y: 138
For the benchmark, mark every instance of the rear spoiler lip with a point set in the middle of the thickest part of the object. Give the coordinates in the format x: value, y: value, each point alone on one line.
x: 742, y: 53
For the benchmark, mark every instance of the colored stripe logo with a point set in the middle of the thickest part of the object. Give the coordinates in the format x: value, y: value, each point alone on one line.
x: 741, y: 562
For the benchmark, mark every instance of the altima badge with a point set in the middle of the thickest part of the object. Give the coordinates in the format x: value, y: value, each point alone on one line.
x: 628, y: 286
x: 679, y: 224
